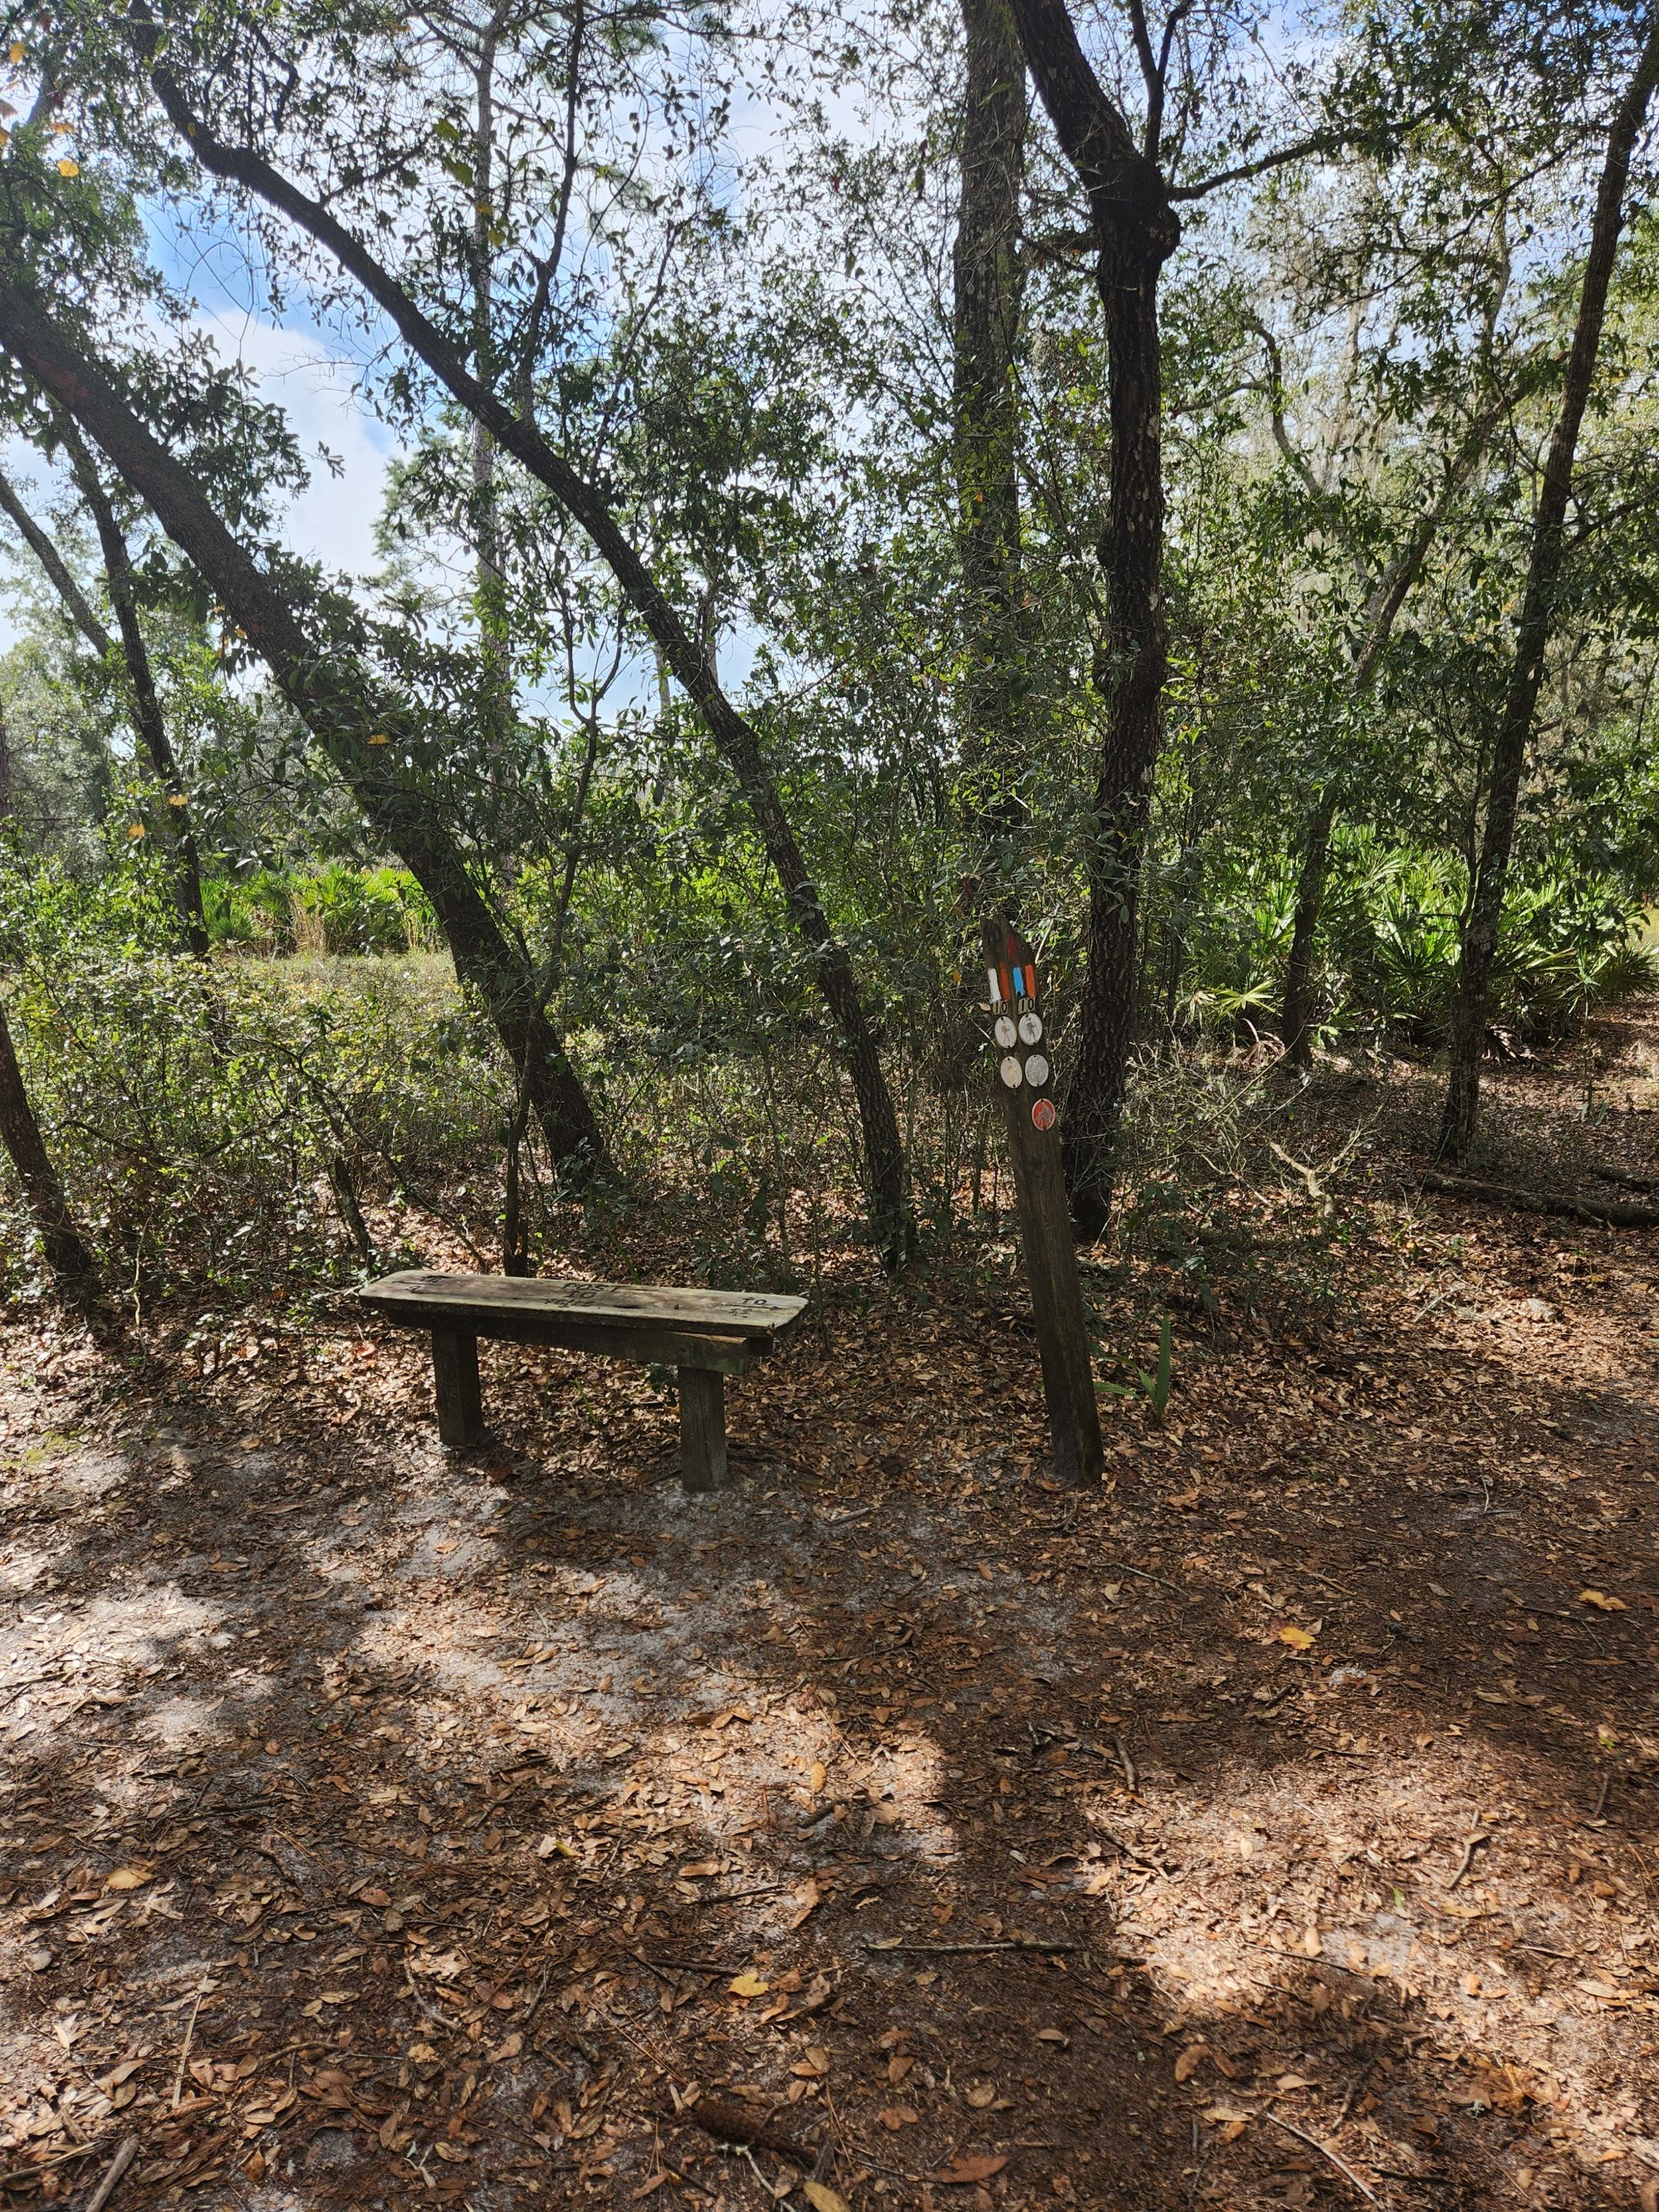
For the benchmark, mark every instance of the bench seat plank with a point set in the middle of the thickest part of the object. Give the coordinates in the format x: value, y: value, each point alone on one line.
x: 503, y: 1305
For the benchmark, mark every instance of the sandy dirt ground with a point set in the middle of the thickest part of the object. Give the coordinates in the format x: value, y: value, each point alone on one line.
x: 1278, y: 1826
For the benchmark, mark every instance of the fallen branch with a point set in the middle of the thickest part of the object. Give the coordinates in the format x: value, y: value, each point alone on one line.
x: 113, y: 2173
x: 951, y: 1950
x: 1625, y: 1181
x: 1325, y: 2151
x: 1605, y: 1216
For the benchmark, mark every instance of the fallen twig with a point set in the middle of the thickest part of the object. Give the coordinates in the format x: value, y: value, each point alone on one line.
x: 1325, y: 2151
x: 946, y: 1950
x: 1601, y: 1795
x: 113, y: 2173
x: 1607, y: 1215
x: 1122, y: 1567
x: 20, y: 2174
x: 184, y: 2054
x: 1471, y: 1844
x: 1127, y: 1764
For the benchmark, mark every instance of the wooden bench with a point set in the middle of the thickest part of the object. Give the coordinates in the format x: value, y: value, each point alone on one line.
x: 706, y: 1334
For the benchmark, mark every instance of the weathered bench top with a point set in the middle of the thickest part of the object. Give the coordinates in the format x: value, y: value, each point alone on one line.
x: 478, y: 1303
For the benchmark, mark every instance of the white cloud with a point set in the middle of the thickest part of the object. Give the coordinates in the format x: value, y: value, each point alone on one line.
x: 334, y: 520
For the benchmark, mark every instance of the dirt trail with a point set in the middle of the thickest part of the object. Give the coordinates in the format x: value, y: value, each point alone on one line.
x: 1280, y: 1827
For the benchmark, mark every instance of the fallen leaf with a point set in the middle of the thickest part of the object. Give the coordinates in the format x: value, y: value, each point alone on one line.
x: 1184, y: 1501
x: 1053, y: 2035
x: 979, y: 2168
x: 819, y: 1776
x: 127, y: 1877
x: 980, y: 2094
x: 1601, y: 1602
x: 1298, y: 1639
x: 748, y: 1984
x: 1190, y: 2060
x: 808, y: 1897
x: 821, y: 2198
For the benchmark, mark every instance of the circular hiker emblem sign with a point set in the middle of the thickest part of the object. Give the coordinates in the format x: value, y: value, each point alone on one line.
x: 1042, y: 1114
x: 1011, y: 1073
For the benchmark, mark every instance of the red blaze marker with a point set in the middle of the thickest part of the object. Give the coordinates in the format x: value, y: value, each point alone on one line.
x: 1042, y: 1114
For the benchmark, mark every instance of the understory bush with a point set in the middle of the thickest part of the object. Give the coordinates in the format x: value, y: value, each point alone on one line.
x: 1389, y: 929
x: 334, y: 908
x: 226, y: 1120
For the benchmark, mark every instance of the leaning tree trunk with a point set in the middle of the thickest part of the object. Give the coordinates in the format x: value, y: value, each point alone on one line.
x: 1136, y: 230
x: 74, y: 1270
x: 146, y: 704
x: 358, y: 725
x: 734, y: 736
x: 1532, y: 633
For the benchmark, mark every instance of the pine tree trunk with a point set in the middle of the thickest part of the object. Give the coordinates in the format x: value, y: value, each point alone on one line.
x: 1532, y: 636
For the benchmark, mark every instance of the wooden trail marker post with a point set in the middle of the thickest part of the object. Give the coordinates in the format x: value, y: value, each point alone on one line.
x: 1025, y: 1079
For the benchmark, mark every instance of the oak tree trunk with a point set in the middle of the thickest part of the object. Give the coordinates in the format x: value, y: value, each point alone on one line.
x: 988, y: 298
x: 1136, y: 230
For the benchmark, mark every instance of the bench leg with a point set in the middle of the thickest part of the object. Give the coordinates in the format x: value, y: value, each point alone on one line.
x: 455, y: 1373
x: 703, y: 1461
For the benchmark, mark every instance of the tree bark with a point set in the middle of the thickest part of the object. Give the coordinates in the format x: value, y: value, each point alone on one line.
x: 1295, y: 1028
x: 1532, y: 634
x: 988, y: 298
x: 734, y: 736
x: 1136, y: 230
x: 146, y: 704
x: 355, y: 722
x: 74, y: 1270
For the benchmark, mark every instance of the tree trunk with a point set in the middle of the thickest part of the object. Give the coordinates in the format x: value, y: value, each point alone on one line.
x: 734, y: 736
x: 989, y: 290
x: 1137, y: 230
x: 73, y: 1268
x: 146, y: 705
x: 1297, y: 1026
x: 1532, y: 634
x: 356, y: 723
x: 1131, y: 670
